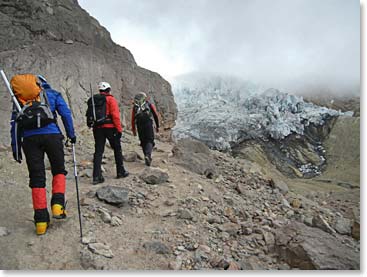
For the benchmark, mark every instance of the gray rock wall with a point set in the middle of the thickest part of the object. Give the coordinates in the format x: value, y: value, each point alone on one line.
x: 59, y: 40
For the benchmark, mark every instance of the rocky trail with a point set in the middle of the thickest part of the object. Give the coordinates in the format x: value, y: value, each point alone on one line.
x: 193, y: 209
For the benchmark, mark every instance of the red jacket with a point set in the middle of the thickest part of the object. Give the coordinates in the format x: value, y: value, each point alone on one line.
x: 112, y: 109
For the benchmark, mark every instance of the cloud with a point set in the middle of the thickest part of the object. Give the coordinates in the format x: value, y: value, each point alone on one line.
x: 291, y: 44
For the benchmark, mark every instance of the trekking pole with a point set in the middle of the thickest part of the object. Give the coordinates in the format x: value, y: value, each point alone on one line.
x: 94, y: 108
x: 14, y: 99
x: 77, y: 191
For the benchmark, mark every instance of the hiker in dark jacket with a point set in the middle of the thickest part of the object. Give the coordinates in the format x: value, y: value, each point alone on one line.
x: 38, y: 142
x: 111, y: 130
x: 141, y: 115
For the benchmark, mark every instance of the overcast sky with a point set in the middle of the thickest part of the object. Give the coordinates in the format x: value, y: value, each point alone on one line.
x: 280, y: 43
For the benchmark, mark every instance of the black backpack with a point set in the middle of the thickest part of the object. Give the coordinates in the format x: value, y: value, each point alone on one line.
x: 142, y: 111
x: 97, y: 115
x: 35, y: 114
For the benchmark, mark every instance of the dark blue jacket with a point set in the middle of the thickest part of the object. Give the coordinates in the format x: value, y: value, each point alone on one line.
x: 57, y: 104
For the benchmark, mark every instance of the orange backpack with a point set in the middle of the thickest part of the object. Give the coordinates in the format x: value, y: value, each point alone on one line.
x: 35, y: 109
x: 26, y: 88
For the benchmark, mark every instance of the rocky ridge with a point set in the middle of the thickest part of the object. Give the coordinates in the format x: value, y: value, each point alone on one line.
x: 61, y: 41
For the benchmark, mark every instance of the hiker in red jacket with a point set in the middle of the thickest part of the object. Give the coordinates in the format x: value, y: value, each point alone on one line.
x: 109, y: 128
x: 141, y: 115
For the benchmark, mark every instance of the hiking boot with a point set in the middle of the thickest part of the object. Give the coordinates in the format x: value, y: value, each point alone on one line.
x: 41, y: 228
x: 98, y: 180
x: 148, y: 160
x: 122, y: 175
x: 58, y: 211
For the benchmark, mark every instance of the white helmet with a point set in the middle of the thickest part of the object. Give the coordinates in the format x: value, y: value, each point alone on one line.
x: 103, y: 86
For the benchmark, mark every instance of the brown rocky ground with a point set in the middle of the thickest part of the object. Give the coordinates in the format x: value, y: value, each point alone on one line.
x: 246, y: 215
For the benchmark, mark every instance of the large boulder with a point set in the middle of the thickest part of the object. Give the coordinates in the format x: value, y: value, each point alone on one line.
x: 194, y: 156
x: 311, y: 248
x: 113, y: 195
x: 153, y: 176
x: 72, y: 50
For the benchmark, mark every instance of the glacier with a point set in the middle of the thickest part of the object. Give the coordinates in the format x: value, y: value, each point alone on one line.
x: 224, y: 111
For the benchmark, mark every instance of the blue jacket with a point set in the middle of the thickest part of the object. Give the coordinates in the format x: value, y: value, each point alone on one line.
x: 57, y: 104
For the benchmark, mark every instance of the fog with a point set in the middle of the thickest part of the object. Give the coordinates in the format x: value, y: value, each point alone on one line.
x: 300, y: 45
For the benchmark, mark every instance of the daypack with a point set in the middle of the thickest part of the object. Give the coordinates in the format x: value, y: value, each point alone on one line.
x: 141, y: 109
x: 35, y: 109
x: 97, y: 115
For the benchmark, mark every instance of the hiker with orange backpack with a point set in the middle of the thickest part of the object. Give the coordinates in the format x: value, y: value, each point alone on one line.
x: 141, y: 116
x: 35, y: 128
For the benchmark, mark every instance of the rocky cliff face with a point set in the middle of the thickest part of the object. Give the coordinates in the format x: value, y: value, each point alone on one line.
x: 61, y: 41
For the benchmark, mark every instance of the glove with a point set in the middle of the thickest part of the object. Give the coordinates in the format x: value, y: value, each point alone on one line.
x: 119, y: 135
x: 73, y: 140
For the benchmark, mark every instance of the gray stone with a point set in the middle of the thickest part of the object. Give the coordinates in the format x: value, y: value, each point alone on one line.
x: 356, y: 224
x: 343, y: 226
x: 100, y: 249
x: 154, y: 176
x: 231, y: 228
x: 280, y: 185
x: 89, y: 261
x: 194, y: 156
x: 319, y: 222
x: 269, y: 240
x: 305, y: 247
x: 113, y: 195
x: 157, y: 247
x: 252, y: 263
x: 130, y: 156
x: 4, y: 232
x: 116, y: 221
x: 184, y: 214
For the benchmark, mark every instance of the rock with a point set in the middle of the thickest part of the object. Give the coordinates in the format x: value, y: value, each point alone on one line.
x: 100, y: 249
x: 233, y: 266
x: 4, y: 232
x: 280, y: 185
x: 176, y: 265
x: 116, y: 221
x: 69, y: 41
x: 231, y: 228
x: 88, y: 260
x: 356, y: 224
x: 296, y: 203
x: 88, y: 238
x: 214, y: 219
x: 219, y: 262
x: 251, y: 263
x: 105, y: 215
x: 130, y: 156
x: 319, y: 222
x: 168, y: 203
x: 153, y: 176
x: 157, y: 247
x: 194, y: 156
x: 113, y: 195
x: 305, y: 247
x: 269, y: 240
x: 86, y: 173
x: 184, y: 214
x: 343, y: 226
x: 308, y: 221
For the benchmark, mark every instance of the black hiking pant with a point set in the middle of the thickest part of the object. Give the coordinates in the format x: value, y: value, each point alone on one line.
x: 100, y: 136
x: 146, y: 136
x: 34, y: 148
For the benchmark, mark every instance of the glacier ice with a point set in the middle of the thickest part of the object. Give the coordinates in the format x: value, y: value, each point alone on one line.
x: 223, y: 112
